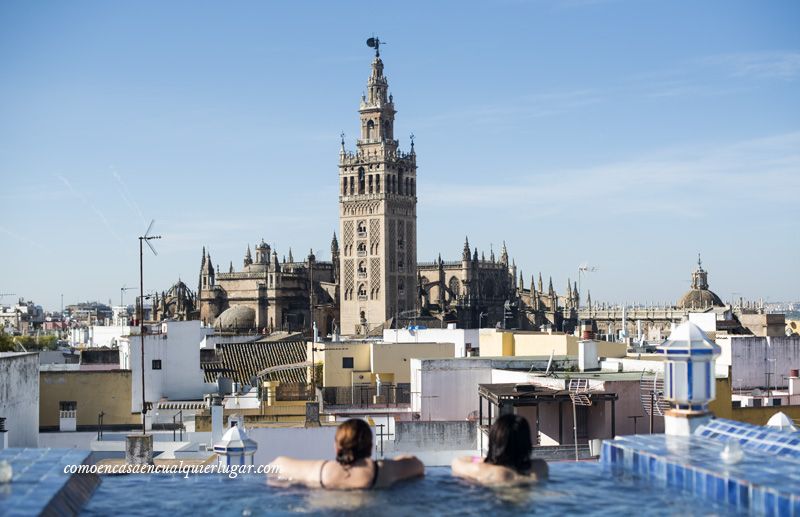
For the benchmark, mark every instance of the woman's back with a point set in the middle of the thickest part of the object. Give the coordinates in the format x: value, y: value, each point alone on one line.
x: 364, y: 473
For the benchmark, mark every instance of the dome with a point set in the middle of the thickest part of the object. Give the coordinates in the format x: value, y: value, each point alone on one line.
x: 699, y: 298
x: 237, y: 317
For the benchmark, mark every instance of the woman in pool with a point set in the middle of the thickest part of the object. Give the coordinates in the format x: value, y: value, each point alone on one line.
x: 354, y: 468
x: 508, y: 460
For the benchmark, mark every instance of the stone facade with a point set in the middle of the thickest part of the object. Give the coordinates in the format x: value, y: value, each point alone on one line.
x: 267, y: 294
x: 377, y: 216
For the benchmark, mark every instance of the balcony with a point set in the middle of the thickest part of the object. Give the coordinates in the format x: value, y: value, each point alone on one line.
x: 361, y: 233
x: 362, y: 274
x: 362, y: 297
x: 361, y: 253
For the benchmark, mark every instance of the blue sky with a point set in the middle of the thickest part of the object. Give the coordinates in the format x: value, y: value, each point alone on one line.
x: 626, y: 134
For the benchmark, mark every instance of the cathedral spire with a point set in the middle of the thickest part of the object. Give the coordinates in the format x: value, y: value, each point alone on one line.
x: 521, y: 281
x: 540, y: 282
x: 248, y: 257
x: 504, y: 254
x: 334, y: 245
x: 465, y: 253
x: 291, y: 257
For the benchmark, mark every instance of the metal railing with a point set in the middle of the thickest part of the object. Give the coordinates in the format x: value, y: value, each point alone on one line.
x: 367, y: 395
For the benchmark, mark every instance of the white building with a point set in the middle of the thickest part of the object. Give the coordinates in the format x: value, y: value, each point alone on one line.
x: 465, y: 340
x: 98, y: 336
x: 447, y: 389
x: 759, y: 362
x: 19, y: 397
x: 172, y: 362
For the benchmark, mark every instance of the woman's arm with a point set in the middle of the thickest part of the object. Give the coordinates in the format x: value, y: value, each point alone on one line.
x: 306, y: 472
x: 400, y: 468
x: 484, y: 473
x: 465, y: 467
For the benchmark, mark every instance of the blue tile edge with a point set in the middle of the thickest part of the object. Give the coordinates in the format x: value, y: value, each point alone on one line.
x: 623, y: 454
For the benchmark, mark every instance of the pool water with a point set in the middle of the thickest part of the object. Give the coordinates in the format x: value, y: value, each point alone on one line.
x: 573, y: 488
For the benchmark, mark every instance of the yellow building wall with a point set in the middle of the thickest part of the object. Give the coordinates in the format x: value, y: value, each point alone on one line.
x: 495, y: 344
x: 394, y: 359
x: 333, y: 374
x: 499, y: 343
x: 609, y: 349
x: 108, y: 391
x: 530, y: 344
x: 722, y: 408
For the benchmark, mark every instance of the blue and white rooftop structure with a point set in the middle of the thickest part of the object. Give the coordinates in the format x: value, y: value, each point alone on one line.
x: 689, y: 380
x: 235, y: 447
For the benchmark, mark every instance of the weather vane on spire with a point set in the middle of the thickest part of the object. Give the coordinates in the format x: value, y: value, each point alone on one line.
x: 375, y: 43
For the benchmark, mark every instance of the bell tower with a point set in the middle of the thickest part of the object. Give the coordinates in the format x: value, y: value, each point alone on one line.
x: 377, y: 215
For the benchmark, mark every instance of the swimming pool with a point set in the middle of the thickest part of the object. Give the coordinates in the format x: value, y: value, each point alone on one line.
x: 574, y: 488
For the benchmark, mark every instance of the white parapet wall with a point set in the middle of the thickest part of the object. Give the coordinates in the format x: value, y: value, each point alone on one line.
x: 19, y: 397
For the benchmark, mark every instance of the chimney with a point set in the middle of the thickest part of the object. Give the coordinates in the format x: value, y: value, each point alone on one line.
x: 794, y: 381
x: 587, y: 355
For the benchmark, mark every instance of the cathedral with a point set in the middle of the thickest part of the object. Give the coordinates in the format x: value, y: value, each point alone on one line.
x: 373, y: 280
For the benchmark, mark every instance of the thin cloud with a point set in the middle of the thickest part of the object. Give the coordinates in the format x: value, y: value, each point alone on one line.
x: 91, y: 205
x: 534, y: 105
x: 23, y: 239
x: 759, y: 65
x: 669, y: 182
x: 126, y: 195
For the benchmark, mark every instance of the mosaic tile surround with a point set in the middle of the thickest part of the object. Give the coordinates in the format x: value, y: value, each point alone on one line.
x: 766, y: 481
x: 39, y: 485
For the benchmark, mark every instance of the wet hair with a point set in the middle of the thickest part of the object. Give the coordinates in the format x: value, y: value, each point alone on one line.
x: 510, y: 443
x: 353, y: 441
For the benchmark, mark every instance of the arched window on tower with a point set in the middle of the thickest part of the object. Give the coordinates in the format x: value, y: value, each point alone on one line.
x: 344, y: 186
x: 370, y: 183
x: 362, y: 291
x: 352, y: 188
x: 400, y: 182
x: 361, y: 180
x: 377, y: 184
x: 387, y: 133
x: 370, y: 129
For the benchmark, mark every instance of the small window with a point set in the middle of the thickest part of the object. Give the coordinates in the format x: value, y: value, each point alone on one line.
x: 737, y: 403
x: 156, y: 364
x: 67, y: 405
x: 756, y: 402
x: 776, y: 402
x: 347, y: 362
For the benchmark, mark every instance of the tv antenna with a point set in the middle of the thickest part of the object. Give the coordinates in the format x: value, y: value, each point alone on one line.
x: 375, y: 42
x: 651, y: 395
x: 582, y: 270
x: 122, y: 294
x: 146, y: 238
x: 579, y: 394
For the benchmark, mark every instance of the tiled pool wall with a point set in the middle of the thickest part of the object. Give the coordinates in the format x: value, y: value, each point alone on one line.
x: 39, y: 485
x: 766, y: 480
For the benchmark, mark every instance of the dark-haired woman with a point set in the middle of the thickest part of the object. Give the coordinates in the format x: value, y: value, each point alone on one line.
x: 508, y: 460
x: 353, y: 468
